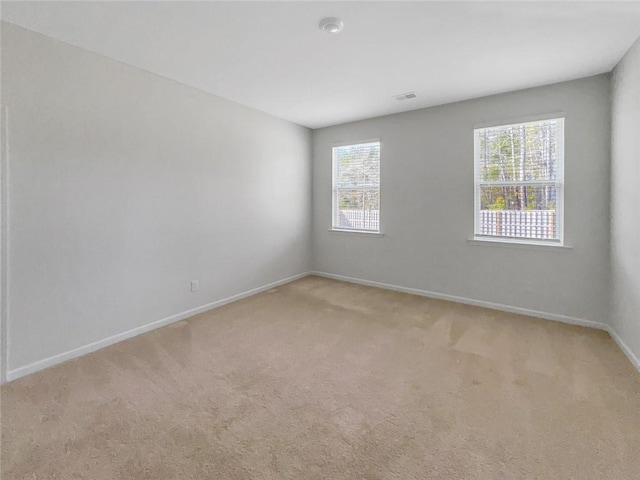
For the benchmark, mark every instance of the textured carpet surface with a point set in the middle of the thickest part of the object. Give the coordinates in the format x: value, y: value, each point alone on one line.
x: 320, y: 379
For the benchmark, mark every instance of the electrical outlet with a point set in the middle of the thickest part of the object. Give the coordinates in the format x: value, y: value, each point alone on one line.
x: 194, y: 285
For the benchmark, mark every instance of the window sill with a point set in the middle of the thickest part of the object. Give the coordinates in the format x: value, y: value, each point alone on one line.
x: 524, y: 244
x: 357, y: 232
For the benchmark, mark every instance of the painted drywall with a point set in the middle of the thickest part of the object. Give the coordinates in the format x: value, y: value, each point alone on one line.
x: 3, y: 241
x: 625, y: 199
x: 427, y: 205
x: 124, y: 186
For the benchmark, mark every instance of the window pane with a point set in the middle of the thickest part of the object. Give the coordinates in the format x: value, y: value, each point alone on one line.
x: 527, y: 211
x: 519, y: 152
x: 358, y: 165
x: 356, y: 184
x: 358, y: 209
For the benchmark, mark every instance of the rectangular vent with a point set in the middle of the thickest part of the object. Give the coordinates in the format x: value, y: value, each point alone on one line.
x: 405, y: 96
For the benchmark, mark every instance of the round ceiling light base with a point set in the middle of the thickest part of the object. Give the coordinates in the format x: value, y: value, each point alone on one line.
x: 331, y: 25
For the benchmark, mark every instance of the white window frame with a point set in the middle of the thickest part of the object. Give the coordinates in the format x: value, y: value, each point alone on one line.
x: 558, y: 182
x: 334, y: 188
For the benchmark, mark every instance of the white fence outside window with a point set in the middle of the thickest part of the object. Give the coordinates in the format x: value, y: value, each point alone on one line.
x: 539, y: 224
x: 360, y: 219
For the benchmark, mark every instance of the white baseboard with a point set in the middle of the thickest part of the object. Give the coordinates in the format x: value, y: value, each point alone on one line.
x: 105, y: 342
x: 77, y: 352
x: 495, y: 306
x: 635, y: 361
x: 470, y: 301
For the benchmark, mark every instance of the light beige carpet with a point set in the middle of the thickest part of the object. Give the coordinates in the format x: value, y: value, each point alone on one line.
x: 326, y: 380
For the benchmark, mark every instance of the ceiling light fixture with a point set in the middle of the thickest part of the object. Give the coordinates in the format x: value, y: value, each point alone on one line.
x: 331, y: 25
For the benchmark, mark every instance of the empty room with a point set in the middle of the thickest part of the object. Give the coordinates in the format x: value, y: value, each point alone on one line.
x: 320, y: 240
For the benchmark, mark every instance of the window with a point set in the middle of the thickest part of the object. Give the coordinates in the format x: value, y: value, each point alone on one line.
x: 519, y: 181
x: 356, y: 187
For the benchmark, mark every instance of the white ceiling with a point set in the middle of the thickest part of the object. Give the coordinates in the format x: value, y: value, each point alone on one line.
x: 272, y: 56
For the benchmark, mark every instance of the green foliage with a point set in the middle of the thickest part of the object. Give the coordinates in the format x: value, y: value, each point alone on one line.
x: 498, y: 204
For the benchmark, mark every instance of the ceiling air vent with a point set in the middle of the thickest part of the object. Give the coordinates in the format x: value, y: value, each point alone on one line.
x: 405, y: 96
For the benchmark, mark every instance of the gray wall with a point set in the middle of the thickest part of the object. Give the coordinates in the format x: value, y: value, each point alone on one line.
x: 124, y: 186
x: 625, y: 199
x: 427, y: 205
